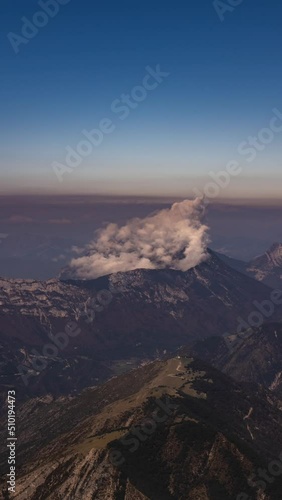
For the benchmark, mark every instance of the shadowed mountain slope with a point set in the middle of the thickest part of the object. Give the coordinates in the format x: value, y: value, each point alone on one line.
x: 175, y: 430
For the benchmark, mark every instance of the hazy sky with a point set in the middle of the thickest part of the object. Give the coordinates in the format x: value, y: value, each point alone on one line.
x: 224, y: 82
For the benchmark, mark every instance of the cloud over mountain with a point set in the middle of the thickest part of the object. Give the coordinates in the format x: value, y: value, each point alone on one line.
x: 173, y: 238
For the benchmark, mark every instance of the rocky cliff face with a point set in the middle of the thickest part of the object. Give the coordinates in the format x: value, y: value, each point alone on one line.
x: 254, y: 357
x: 146, y: 313
x: 268, y: 267
x: 175, y: 429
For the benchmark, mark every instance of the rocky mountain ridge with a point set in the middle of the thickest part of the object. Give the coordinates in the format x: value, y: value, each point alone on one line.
x: 139, y: 315
x: 253, y: 356
x: 266, y: 268
x: 174, y: 430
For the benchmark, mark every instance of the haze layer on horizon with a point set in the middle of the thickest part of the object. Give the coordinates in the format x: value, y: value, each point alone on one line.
x: 175, y: 94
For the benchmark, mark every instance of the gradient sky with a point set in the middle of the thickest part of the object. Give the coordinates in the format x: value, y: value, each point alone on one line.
x: 225, y: 79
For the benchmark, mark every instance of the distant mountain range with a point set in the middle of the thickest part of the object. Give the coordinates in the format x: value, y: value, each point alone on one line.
x: 151, y: 312
x: 266, y: 268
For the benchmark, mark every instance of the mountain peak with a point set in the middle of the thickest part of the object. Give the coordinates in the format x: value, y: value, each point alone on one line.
x: 268, y: 266
x: 275, y: 253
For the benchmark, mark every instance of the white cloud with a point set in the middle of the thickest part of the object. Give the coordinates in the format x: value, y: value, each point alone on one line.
x: 171, y: 238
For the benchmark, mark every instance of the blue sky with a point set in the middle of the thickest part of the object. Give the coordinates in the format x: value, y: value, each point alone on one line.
x: 224, y: 80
